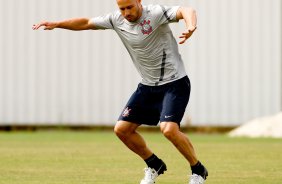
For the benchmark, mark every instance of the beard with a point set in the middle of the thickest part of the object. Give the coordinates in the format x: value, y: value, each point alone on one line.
x: 134, y: 18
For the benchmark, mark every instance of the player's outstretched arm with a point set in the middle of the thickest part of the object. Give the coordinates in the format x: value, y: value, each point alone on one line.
x: 190, y: 18
x: 75, y: 24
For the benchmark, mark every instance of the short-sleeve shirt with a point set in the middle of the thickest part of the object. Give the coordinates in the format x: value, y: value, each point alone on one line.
x: 150, y: 42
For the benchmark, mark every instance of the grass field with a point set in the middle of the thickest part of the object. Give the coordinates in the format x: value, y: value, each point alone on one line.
x: 67, y: 157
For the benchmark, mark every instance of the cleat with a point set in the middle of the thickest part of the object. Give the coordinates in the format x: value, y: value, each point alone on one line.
x: 196, y: 179
x: 199, y: 179
x: 151, y: 174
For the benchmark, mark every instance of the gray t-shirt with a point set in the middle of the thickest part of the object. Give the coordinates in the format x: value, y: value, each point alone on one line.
x: 150, y: 43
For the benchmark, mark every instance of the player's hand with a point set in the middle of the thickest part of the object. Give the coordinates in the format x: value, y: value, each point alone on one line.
x: 187, y: 34
x: 47, y: 25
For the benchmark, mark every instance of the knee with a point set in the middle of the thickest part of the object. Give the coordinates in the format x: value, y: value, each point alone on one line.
x: 169, y: 133
x: 121, y: 130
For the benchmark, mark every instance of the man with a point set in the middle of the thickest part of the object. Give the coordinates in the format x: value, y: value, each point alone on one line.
x: 164, y: 92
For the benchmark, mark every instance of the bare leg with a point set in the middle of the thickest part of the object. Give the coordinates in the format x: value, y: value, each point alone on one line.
x: 180, y: 140
x: 126, y: 132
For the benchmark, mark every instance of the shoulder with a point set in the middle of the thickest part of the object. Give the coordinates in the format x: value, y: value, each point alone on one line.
x: 154, y: 10
x: 116, y: 16
x: 153, y: 7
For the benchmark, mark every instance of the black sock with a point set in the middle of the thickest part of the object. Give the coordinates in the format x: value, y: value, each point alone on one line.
x: 154, y: 162
x: 198, y: 169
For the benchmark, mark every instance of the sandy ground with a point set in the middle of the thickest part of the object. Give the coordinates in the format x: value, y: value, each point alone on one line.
x: 261, y: 127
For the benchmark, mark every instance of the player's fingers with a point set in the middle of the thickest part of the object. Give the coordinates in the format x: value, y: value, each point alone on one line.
x: 35, y: 26
x: 183, y: 41
x: 38, y: 26
x: 189, y: 31
x: 188, y: 35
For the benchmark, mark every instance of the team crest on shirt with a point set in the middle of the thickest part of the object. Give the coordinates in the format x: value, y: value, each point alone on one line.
x: 146, y: 28
x: 126, y: 112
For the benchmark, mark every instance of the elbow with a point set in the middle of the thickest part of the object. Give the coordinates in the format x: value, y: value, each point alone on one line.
x: 186, y: 11
x: 191, y: 11
x: 90, y: 24
x: 193, y: 16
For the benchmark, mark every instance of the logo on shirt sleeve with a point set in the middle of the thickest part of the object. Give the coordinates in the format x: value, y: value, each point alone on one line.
x: 126, y: 112
x: 146, y: 28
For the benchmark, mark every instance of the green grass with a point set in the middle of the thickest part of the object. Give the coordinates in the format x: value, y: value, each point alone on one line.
x: 66, y: 157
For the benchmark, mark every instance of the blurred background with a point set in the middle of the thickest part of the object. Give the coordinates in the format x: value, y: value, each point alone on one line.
x: 65, y: 77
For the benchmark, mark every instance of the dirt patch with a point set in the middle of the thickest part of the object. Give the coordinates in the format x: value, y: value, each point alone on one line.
x: 261, y: 127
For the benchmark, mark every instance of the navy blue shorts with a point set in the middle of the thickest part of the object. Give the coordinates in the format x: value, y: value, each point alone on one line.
x: 153, y: 104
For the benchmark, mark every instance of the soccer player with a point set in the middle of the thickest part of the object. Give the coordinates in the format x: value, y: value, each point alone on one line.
x: 164, y: 91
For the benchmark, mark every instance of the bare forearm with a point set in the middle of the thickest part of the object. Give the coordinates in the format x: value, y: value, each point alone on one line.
x: 75, y: 24
x: 189, y: 16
